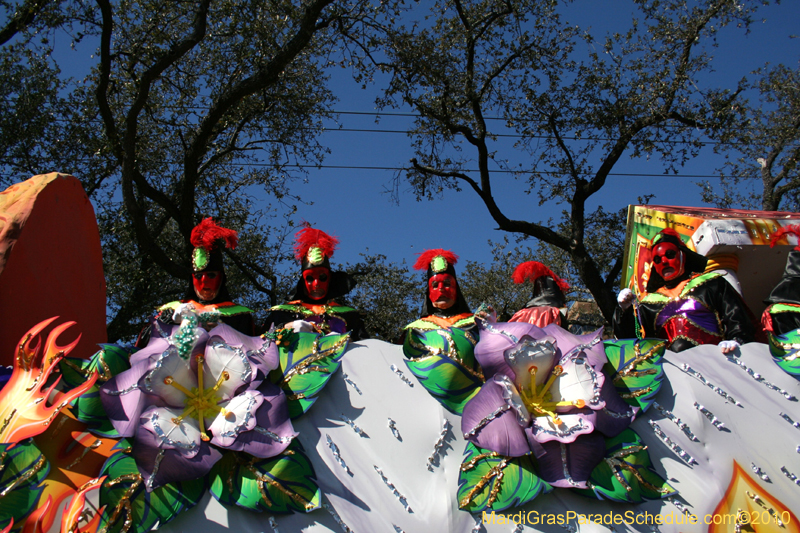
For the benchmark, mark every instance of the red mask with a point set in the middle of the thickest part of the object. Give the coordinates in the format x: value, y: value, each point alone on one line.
x: 207, y: 284
x: 668, y: 260
x: 317, y: 280
x: 442, y: 291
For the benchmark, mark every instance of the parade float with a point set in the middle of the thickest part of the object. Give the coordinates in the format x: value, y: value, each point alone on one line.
x: 494, y: 427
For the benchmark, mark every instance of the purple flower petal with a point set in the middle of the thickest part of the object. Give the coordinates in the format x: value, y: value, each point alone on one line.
x: 616, y: 415
x: 157, y: 344
x: 596, y: 354
x: 173, y: 466
x: 488, y: 422
x: 122, y: 399
x: 570, y: 465
x: 273, y: 432
x: 248, y: 344
x: 495, y: 339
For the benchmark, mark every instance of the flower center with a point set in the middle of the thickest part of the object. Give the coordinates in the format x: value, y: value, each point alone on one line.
x: 537, y: 401
x: 200, y: 402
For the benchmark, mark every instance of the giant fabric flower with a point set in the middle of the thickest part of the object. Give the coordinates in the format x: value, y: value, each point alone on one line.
x: 545, y: 394
x: 190, y: 393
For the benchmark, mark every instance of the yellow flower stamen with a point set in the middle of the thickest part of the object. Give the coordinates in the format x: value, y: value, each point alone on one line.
x: 535, y: 401
x: 222, y: 379
x: 200, y: 402
x: 171, y: 382
x: 557, y: 371
x: 200, y: 360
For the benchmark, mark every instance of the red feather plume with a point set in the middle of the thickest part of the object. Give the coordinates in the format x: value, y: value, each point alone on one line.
x: 794, y: 229
x: 207, y: 235
x: 308, y: 237
x: 425, y: 258
x: 530, y: 270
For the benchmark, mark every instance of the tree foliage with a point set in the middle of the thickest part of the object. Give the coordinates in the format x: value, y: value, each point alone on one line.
x: 579, y: 103
x: 492, y: 284
x: 191, y: 109
x: 387, y: 294
x: 763, y: 148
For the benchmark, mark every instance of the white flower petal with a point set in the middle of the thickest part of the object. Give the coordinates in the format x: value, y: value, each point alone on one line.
x: 239, y: 416
x: 576, y: 383
x: 513, y: 399
x: 570, y: 428
x: 184, y: 437
x: 170, y: 364
x: 529, y: 353
x: 221, y: 357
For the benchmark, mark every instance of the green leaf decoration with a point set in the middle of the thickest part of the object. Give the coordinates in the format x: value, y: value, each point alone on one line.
x: 109, y: 361
x: 785, y: 350
x: 128, y: 504
x: 281, y: 484
x: 626, y: 474
x: 199, y: 258
x: 489, y: 481
x: 444, y: 363
x: 635, y: 367
x: 315, y: 256
x: 306, y: 365
x: 23, y: 469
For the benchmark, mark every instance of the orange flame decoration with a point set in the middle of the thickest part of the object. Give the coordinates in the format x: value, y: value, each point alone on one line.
x: 74, y: 512
x: 76, y: 458
x: 34, y: 524
x: 749, y: 505
x: 8, y: 527
x: 24, y: 409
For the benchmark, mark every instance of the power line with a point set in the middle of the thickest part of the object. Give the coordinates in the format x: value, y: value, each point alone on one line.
x: 546, y: 172
x: 516, y: 136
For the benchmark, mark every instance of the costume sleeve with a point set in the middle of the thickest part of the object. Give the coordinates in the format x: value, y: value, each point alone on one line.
x: 624, y: 325
x: 731, y: 310
x: 147, y: 331
x: 356, y: 327
x: 278, y: 319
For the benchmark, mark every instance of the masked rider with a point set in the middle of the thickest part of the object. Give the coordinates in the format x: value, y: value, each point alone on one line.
x: 782, y: 314
x: 312, y: 306
x: 444, y: 305
x: 684, y: 304
x: 548, y: 298
x: 208, y: 291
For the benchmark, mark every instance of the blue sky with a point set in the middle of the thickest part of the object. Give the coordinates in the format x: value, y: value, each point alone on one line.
x: 353, y: 205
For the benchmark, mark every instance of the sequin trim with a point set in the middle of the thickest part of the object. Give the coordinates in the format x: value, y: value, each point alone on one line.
x: 513, y: 400
x: 274, y: 436
x: 567, y: 475
x: 485, y: 420
x: 537, y: 429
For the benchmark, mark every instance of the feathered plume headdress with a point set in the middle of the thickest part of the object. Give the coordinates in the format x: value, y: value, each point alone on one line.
x: 668, y: 235
x: 313, y: 247
x: 530, y: 270
x: 206, y: 237
x: 437, y: 260
x: 793, y: 229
